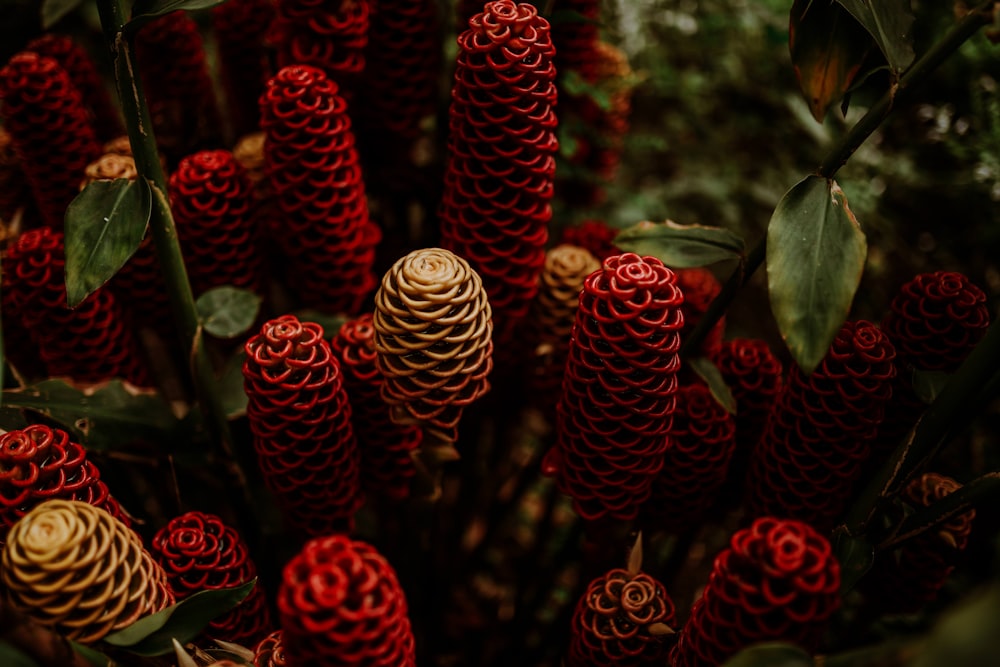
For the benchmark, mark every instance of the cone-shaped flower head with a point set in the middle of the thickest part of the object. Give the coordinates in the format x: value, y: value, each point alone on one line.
x: 199, y: 552
x: 616, y: 622
x: 249, y: 153
x: 301, y: 424
x: 385, y: 447
x: 109, y: 167
x: 270, y: 652
x: 594, y: 235
x: 615, y: 413
x: 777, y: 581
x: 501, y: 155
x: 433, y: 336
x: 240, y: 27
x: 330, y: 35
x: 315, y: 177
x: 79, y: 570
x: 51, y: 132
x: 700, y: 287
x: 340, y: 603
x: 821, y: 429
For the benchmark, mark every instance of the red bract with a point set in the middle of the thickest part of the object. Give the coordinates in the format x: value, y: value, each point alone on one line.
x: 210, y: 195
x: 695, y: 466
x: 501, y: 155
x: 315, y: 178
x: 85, y: 77
x: 13, y: 187
x: 777, y: 581
x: 240, y: 27
x: 615, y: 413
x: 328, y: 35
x: 821, y: 429
x: 576, y: 40
x: 89, y: 343
x: 38, y: 463
x: 199, y: 552
x: 594, y: 235
x: 301, y: 423
x: 611, y: 622
x: 385, y: 447
x: 270, y: 652
x: 52, y: 135
x: 340, y: 603
x: 700, y: 287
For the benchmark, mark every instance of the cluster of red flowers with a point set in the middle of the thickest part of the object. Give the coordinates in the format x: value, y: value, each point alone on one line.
x: 328, y: 35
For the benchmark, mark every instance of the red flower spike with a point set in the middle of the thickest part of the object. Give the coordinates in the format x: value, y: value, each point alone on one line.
x: 270, y: 652
x: 777, y: 581
x: 13, y: 187
x: 576, y: 41
x: 240, y: 27
x: 315, y: 178
x: 330, y: 36
x: 178, y: 87
x: 904, y: 580
x: 615, y: 413
x: 199, y: 552
x: 301, y: 423
x: 38, y: 463
x: 695, y: 466
x: 211, y: 198
x: 611, y: 622
x: 340, y: 603
x: 385, y: 447
x: 700, y: 287
x: 821, y: 429
x: 52, y: 135
x: 84, y: 75
x: 501, y: 155
x: 594, y: 235
x: 90, y: 343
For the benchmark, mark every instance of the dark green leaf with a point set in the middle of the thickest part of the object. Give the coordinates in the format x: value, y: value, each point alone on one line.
x: 54, y: 10
x: 11, y: 656
x: 855, y: 555
x: 828, y: 48
x: 331, y: 323
x: 815, y: 255
x: 145, y: 10
x: 95, y: 658
x: 103, y: 416
x: 772, y: 654
x: 104, y: 226
x: 928, y: 384
x: 712, y: 376
x: 985, y: 489
x: 889, y: 22
x: 968, y: 634
x: 681, y: 246
x: 152, y: 635
x: 232, y: 395
x: 227, y: 312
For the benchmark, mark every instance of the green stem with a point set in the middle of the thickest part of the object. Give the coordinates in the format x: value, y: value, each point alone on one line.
x: 837, y: 157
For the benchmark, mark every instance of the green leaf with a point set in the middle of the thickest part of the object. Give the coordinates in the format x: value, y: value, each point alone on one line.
x: 681, y: 246
x: 828, y: 47
x: 154, y: 634
x: 54, y: 11
x: 227, y: 312
x: 855, y: 555
x: 815, y: 256
x: 145, y: 10
x: 102, y: 417
x: 231, y: 392
x: 771, y: 654
x: 712, y: 376
x: 104, y: 226
x: 968, y: 634
x: 95, y: 658
x: 889, y: 22
x: 928, y: 384
x: 11, y: 656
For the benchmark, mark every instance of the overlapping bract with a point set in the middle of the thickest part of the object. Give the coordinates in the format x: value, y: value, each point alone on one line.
x: 330, y: 35
x: 76, y: 568
x: 315, y: 178
x: 617, y: 404
x: 433, y: 336
x: 109, y: 167
x: 821, y: 429
x: 498, y: 184
x: 199, y: 552
x: 611, y: 622
x: 340, y: 603
x: 240, y: 27
x: 385, y: 447
x: 700, y: 287
x: 50, y: 130
x: 38, y: 463
x: 777, y: 580
x: 301, y: 424
x: 594, y: 235
x: 270, y: 652
x: 89, y: 343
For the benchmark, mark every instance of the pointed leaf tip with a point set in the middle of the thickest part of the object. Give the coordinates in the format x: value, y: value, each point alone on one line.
x: 635, y: 556
x: 710, y: 373
x: 184, y: 658
x: 661, y: 630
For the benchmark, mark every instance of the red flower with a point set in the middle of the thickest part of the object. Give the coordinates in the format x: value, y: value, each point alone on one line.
x: 695, y: 466
x: 240, y: 27
x: 315, y: 177
x: 89, y: 343
x: 211, y: 197
x: 199, y: 552
x: 614, y: 417
x: 340, y: 603
x: 38, y: 463
x: 778, y: 580
x: 700, y: 287
x: 611, y: 622
x: 330, y: 36
x: 501, y: 155
x: 821, y: 429
x: 48, y: 124
x: 594, y: 235
x: 270, y: 652
x: 301, y: 423
x: 386, y: 447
